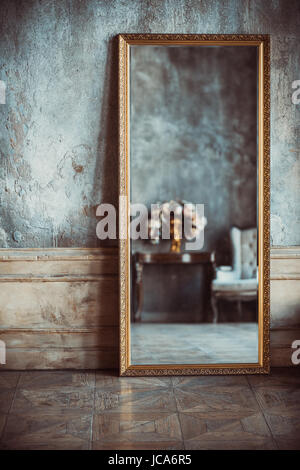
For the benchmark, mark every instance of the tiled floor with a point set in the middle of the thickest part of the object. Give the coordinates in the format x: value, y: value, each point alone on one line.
x: 98, y: 410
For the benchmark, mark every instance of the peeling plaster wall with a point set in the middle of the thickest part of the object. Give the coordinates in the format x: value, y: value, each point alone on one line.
x: 58, y: 134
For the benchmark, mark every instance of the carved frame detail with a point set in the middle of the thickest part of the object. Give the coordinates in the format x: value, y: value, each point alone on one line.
x: 262, y: 42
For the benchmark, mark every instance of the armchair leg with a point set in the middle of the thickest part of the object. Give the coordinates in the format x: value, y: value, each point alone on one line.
x: 240, y: 312
x: 214, y: 306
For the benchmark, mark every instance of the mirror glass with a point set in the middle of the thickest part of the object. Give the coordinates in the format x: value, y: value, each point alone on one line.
x: 194, y: 161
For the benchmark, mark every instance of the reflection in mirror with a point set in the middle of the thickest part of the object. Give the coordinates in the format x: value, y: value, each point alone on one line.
x: 193, y: 141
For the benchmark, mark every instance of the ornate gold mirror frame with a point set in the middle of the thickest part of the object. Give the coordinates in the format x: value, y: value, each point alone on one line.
x: 263, y: 45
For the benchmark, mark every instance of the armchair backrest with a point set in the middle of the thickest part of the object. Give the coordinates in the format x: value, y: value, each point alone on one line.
x: 244, y: 252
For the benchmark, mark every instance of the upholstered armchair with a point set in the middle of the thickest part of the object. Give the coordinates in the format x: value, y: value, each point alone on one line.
x: 239, y: 281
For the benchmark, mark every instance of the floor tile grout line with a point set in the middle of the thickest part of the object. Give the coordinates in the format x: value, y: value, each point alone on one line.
x: 263, y: 413
x: 11, y: 405
x: 178, y: 415
x: 93, y: 411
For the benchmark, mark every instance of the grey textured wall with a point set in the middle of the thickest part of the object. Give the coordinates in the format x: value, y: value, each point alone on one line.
x: 58, y: 136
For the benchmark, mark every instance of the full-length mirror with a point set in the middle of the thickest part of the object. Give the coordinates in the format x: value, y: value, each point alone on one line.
x: 194, y: 173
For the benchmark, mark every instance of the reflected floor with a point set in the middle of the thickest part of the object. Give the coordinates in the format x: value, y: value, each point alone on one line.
x: 168, y: 343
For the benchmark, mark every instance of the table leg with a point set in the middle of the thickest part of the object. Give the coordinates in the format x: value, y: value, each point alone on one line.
x: 214, y: 305
x: 207, y: 295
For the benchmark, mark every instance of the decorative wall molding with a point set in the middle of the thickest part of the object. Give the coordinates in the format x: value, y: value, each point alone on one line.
x: 285, y: 303
x: 59, y: 308
x: 285, y: 252
x: 285, y: 263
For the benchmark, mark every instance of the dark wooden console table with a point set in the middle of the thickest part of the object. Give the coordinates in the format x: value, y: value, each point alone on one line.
x: 140, y: 259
